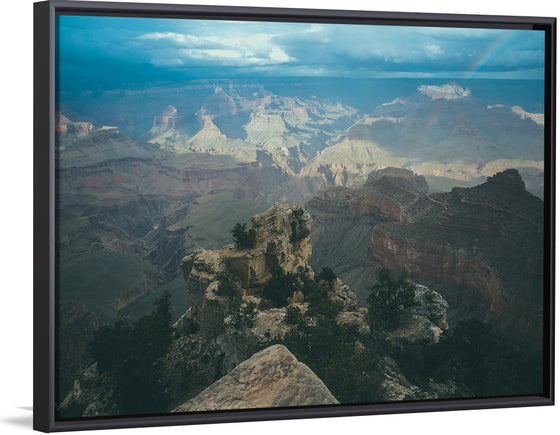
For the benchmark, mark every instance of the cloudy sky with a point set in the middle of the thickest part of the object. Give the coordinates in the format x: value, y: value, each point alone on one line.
x: 116, y: 50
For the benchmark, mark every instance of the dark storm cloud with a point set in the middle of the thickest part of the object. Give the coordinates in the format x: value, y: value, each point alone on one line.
x: 136, y: 50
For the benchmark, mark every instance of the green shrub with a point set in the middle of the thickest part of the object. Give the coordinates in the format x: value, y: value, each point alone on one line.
x: 390, y: 299
x: 329, y: 349
x: 483, y: 362
x: 326, y: 274
x: 131, y: 355
x: 323, y: 306
x: 243, y: 314
x: 293, y: 316
x: 297, y: 214
x: 279, y: 288
x: 479, y: 360
x: 299, y: 229
x: 242, y: 237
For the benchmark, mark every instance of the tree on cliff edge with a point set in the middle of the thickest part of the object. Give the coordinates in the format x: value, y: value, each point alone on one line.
x: 390, y: 299
x: 242, y: 237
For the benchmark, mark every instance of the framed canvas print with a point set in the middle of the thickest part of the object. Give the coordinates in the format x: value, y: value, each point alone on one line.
x: 254, y: 214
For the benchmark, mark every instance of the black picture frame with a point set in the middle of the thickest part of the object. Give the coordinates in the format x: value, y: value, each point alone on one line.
x: 45, y: 218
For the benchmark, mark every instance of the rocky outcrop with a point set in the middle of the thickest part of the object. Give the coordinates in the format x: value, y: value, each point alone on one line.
x: 92, y: 395
x: 440, y: 265
x: 385, y: 196
x: 475, y: 245
x: 210, y: 137
x: 229, y: 318
x: 211, y: 140
x: 396, y: 387
x: 431, y: 305
x: 356, y: 317
x: 272, y: 377
x: 273, y: 123
x: 284, y: 230
x: 282, y: 245
x: 426, y: 322
x: 282, y: 241
x: 537, y: 118
x: 64, y: 127
x: 266, y: 130
x: 426, y: 132
x: 103, y: 145
x: 168, y: 120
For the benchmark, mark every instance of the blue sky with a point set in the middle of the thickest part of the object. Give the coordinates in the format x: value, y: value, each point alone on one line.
x: 116, y: 51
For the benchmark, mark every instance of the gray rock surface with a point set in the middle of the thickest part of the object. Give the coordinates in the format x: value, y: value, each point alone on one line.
x: 92, y: 394
x: 428, y: 319
x: 272, y: 377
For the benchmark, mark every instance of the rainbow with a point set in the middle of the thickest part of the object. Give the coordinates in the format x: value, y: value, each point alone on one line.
x: 491, y: 51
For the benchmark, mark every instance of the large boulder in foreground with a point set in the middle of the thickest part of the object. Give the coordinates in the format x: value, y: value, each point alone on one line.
x: 272, y: 377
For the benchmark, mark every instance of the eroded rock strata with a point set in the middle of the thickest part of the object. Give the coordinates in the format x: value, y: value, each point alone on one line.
x: 480, y: 247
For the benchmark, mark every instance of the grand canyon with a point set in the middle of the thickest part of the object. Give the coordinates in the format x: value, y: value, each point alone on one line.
x: 256, y: 215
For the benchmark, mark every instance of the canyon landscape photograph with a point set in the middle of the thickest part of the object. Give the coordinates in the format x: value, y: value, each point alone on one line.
x: 255, y: 215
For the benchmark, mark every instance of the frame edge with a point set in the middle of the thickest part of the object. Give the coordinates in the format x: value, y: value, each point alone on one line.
x: 296, y: 14
x: 552, y: 72
x: 43, y: 121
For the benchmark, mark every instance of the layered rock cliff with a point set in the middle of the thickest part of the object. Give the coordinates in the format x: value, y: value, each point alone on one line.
x: 282, y: 242
x: 64, y: 127
x: 480, y: 247
x: 344, y: 218
x: 168, y: 119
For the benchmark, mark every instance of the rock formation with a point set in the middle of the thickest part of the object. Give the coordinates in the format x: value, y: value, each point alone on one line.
x: 102, y: 145
x: 480, y: 247
x: 345, y: 218
x: 538, y: 118
x: 282, y: 246
x: 282, y: 241
x: 229, y: 328
x: 168, y: 120
x: 426, y: 322
x: 64, y: 127
x: 449, y: 91
x: 397, y: 387
x: 272, y: 377
x: 211, y: 140
x: 427, y: 132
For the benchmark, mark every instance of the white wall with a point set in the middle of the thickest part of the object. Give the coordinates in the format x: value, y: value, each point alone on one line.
x: 16, y: 123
